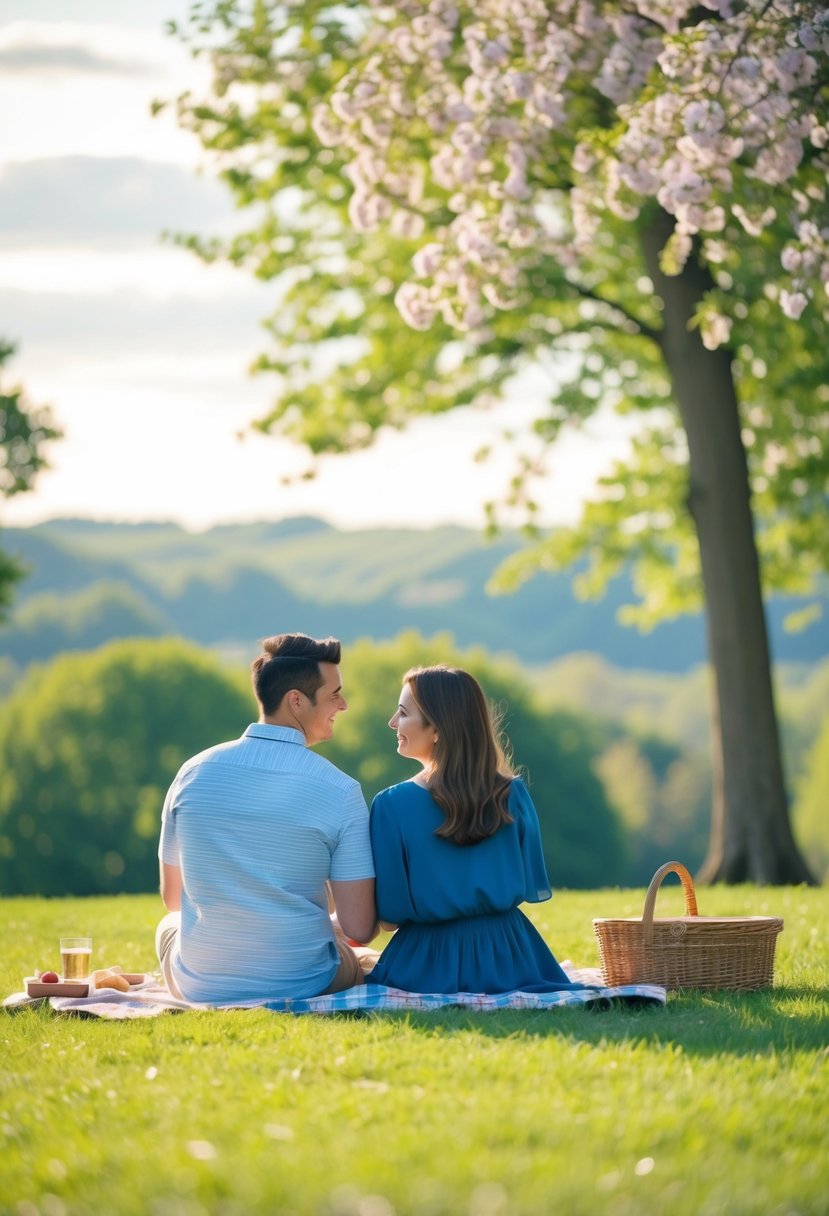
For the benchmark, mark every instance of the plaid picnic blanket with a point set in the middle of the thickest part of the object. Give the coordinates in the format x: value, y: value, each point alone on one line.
x: 152, y: 998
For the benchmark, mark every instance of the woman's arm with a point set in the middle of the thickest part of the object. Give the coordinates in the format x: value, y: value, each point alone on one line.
x: 390, y: 862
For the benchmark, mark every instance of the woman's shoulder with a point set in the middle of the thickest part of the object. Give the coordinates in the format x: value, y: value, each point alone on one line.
x: 404, y: 791
x: 400, y: 809
x: 519, y: 796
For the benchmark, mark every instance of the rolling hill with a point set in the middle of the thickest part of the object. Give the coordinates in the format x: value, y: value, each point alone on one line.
x: 231, y: 585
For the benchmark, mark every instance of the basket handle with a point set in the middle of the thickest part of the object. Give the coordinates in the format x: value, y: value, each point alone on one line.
x: 670, y: 867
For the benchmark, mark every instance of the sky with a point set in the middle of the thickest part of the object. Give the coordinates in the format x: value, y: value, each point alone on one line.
x: 143, y: 352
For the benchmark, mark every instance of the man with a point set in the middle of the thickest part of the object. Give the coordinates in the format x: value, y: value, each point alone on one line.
x: 253, y: 832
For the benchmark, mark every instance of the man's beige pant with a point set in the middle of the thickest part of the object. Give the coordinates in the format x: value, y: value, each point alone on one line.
x: 349, y: 973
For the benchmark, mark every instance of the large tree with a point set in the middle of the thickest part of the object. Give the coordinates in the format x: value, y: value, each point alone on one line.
x: 24, y: 429
x: 641, y: 186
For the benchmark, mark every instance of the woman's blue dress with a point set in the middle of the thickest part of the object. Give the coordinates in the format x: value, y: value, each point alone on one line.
x: 460, y: 927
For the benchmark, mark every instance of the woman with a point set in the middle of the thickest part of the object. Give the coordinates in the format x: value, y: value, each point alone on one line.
x: 457, y: 848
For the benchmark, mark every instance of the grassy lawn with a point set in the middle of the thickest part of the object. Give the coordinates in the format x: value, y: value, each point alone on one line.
x: 717, y: 1104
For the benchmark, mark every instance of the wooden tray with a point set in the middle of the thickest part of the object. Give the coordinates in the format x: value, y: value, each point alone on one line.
x: 36, y: 987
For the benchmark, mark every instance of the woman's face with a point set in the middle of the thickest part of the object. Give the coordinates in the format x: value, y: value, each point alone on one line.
x: 416, y: 739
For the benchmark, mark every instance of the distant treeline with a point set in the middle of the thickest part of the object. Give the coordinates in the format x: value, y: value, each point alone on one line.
x: 89, y: 746
x: 89, y: 583
x: 90, y: 741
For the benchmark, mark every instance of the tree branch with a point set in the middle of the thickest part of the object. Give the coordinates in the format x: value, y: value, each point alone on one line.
x: 645, y: 330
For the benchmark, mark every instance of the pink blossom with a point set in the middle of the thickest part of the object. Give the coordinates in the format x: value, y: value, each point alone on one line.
x: 427, y: 260
x: 328, y: 132
x: 415, y: 306
x: 793, y: 303
x: 715, y: 330
x: 407, y: 224
x: 459, y: 111
x: 344, y: 106
x: 694, y: 114
x: 755, y: 224
x: 366, y: 211
x: 795, y: 68
x: 584, y: 158
x: 790, y: 259
x: 747, y: 66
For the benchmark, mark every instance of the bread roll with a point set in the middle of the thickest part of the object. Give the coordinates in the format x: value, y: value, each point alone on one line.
x: 113, y: 981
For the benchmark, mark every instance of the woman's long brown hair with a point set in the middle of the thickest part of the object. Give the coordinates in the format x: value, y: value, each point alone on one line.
x: 470, y: 776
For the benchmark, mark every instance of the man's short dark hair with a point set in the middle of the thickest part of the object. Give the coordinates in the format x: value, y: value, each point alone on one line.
x: 291, y: 660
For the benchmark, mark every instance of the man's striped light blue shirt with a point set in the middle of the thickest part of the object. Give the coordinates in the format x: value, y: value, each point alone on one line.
x: 256, y: 826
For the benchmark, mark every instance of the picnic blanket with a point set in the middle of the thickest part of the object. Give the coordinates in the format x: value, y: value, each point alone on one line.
x: 152, y: 998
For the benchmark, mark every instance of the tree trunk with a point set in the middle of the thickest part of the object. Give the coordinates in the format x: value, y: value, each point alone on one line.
x: 751, y: 838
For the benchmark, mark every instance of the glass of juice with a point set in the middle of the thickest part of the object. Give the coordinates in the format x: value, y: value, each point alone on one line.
x: 75, y: 957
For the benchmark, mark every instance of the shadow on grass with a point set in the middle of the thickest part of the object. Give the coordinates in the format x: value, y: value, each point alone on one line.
x: 701, y: 1023
x: 705, y: 1024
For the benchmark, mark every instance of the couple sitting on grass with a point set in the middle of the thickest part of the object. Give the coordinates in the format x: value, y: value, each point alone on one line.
x: 268, y: 853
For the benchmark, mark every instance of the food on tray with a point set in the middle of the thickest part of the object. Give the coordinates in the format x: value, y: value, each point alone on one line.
x: 111, y: 980
x: 49, y: 983
x: 38, y: 985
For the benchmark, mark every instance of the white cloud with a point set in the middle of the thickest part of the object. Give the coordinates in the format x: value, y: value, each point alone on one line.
x: 143, y: 351
x: 160, y: 273
x: 51, y: 106
x: 157, y: 437
x: 106, y: 201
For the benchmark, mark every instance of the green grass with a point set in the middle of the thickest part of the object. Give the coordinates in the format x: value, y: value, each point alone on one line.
x: 716, y: 1104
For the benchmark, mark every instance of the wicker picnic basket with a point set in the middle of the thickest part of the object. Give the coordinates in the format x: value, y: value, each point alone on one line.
x: 689, y: 951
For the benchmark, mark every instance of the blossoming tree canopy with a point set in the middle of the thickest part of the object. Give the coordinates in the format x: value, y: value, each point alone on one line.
x: 543, y: 116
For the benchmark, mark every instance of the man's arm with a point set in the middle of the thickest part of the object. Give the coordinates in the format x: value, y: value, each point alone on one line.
x: 171, y: 886
x: 356, y: 911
